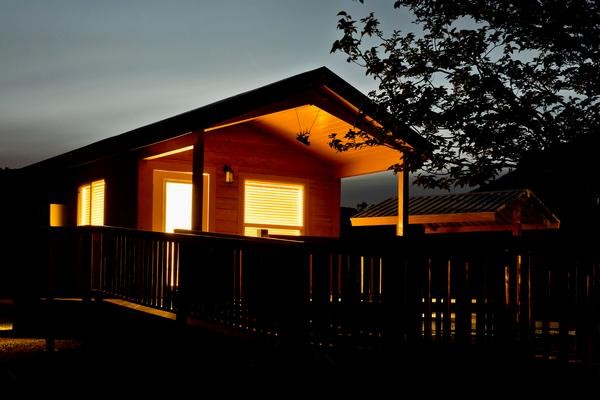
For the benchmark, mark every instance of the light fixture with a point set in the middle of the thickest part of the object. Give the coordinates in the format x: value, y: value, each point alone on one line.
x: 228, y: 173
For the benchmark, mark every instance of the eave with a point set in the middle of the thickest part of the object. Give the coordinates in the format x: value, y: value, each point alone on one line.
x: 320, y: 87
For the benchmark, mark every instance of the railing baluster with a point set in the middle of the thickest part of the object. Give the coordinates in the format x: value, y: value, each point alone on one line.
x: 542, y: 297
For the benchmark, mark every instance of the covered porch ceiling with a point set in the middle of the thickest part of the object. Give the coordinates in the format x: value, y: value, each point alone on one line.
x: 286, y: 124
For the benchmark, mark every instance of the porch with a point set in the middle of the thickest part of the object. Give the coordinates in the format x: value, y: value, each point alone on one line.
x: 258, y: 161
x: 519, y: 299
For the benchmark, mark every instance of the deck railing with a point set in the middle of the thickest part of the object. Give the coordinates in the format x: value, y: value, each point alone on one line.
x: 541, y: 297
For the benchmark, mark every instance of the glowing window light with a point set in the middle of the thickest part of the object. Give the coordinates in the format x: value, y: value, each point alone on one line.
x: 83, y: 205
x: 275, y: 206
x: 6, y: 326
x: 178, y: 212
x: 97, y: 214
x: 90, y: 203
x: 164, y: 202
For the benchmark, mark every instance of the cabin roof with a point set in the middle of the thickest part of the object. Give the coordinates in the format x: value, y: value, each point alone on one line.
x: 318, y: 86
x: 462, y: 212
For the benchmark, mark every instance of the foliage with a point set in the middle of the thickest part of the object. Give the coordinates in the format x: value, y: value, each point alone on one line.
x: 483, y: 81
x: 361, y: 206
x: 5, y: 171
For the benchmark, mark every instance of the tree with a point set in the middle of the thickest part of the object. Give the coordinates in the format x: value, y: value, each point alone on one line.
x: 484, y: 81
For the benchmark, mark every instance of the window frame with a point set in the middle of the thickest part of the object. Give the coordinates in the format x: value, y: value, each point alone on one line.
x: 90, y: 217
x: 160, y: 177
x: 284, y: 180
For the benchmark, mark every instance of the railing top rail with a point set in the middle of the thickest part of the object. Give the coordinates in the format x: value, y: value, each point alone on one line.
x: 184, y: 236
x: 457, y: 245
x: 229, y: 236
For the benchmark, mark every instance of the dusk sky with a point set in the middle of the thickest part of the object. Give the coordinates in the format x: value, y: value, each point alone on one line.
x: 74, y: 71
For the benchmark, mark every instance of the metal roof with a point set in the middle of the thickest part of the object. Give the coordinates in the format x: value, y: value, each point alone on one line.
x: 454, y: 203
x: 465, y: 211
x: 387, y: 208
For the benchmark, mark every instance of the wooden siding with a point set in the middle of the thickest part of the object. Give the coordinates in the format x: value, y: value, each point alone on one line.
x: 145, y: 185
x: 120, y: 201
x: 251, y: 152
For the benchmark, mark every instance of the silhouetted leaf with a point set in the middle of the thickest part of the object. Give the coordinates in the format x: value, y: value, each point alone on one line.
x: 485, y: 82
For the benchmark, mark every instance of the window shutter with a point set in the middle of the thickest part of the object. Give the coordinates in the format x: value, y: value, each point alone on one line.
x: 83, y: 205
x: 90, y: 203
x: 97, y: 203
x: 274, y: 206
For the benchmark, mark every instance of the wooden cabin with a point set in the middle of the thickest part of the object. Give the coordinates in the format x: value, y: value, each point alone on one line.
x: 234, y: 166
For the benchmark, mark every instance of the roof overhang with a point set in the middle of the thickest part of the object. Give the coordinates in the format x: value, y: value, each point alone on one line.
x: 318, y: 95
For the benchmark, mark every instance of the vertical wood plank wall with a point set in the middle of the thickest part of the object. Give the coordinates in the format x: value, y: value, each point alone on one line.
x: 121, y: 176
x: 251, y: 152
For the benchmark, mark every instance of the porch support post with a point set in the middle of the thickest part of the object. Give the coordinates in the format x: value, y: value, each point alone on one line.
x: 517, y: 228
x: 197, y: 180
x: 402, y: 224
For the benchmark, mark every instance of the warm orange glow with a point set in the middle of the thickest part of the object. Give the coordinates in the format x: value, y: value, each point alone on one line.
x: 275, y: 206
x: 6, y: 326
x: 178, y: 206
x: 506, y: 285
x: 176, y: 198
x: 90, y: 203
x: 253, y: 231
x: 97, y: 216
x: 175, y: 206
x: 169, y: 153
x: 58, y: 215
x: 321, y: 123
x: 402, y: 207
x: 83, y: 205
x: 362, y: 275
x: 228, y: 173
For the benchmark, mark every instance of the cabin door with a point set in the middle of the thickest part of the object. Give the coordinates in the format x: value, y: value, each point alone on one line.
x: 178, y: 206
x: 173, y: 201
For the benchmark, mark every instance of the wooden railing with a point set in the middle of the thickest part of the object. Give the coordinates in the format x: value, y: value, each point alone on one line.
x: 142, y: 267
x: 540, y: 298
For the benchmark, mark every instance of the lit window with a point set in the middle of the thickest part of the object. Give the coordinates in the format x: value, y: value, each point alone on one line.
x: 90, y: 203
x: 178, y: 211
x: 273, y: 206
x: 173, y: 201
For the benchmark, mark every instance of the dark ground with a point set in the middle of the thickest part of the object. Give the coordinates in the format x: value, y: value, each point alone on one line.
x: 134, y: 351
